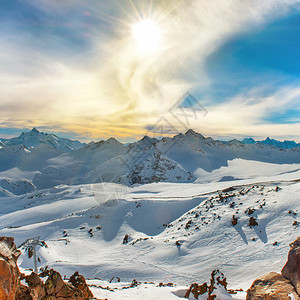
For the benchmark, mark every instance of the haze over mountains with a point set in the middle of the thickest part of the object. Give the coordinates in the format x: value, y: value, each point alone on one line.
x: 36, y: 160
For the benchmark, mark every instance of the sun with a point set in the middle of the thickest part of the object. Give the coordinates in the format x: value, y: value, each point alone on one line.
x: 147, y: 36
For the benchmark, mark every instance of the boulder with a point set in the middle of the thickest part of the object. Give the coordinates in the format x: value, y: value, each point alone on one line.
x: 56, y: 288
x: 9, y: 271
x: 272, y: 286
x: 291, y: 269
x: 79, y: 282
x: 36, y: 286
x: 252, y: 222
x: 23, y: 293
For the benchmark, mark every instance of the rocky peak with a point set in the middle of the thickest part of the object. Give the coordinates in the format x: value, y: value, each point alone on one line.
x: 34, y: 131
x: 192, y: 133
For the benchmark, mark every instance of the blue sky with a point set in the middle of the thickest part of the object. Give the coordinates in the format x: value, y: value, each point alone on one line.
x: 73, y: 67
x: 269, y: 53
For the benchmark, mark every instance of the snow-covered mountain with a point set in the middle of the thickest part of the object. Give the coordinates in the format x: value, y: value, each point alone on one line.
x: 193, y: 151
x: 35, y: 138
x: 51, y: 161
x: 111, y: 161
x: 273, y: 142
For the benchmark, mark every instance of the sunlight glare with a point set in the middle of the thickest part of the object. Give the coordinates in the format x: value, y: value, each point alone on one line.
x: 147, y: 36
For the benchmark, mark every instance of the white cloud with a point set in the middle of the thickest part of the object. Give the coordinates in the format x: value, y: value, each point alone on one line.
x: 113, y: 90
x: 245, y: 115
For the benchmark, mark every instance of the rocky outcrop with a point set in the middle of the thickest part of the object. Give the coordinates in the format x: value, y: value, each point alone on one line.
x: 79, y: 282
x: 217, y: 282
x: 9, y: 271
x: 280, y: 286
x: 272, y: 286
x: 36, y: 286
x: 54, y: 288
x: 291, y: 270
x: 196, y: 290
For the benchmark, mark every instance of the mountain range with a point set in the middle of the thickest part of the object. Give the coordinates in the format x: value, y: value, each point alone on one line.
x: 41, y: 160
x: 160, y: 212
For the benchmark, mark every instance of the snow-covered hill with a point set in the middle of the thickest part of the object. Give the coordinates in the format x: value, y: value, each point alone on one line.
x: 176, y: 233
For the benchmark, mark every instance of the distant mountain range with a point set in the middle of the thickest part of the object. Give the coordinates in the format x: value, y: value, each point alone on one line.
x: 35, y: 138
x: 273, y: 142
x: 40, y: 160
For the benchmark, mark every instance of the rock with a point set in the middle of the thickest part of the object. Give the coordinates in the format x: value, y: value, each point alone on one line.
x: 249, y: 211
x: 234, y: 220
x: 271, y: 286
x: 291, y: 269
x: 56, y: 288
x: 188, y: 224
x: 23, y: 293
x: 36, y: 286
x: 196, y: 290
x: 125, y: 239
x: 217, y: 282
x: 9, y: 271
x: 79, y: 282
x: 54, y: 283
x: 252, y: 222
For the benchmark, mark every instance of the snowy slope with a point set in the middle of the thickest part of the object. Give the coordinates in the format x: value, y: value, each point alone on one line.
x: 76, y: 166
x: 25, y: 159
x: 240, y: 169
x: 182, y: 158
x: 16, y: 187
x: 84, y: 227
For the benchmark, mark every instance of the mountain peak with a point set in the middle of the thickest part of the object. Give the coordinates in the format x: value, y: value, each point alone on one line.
x: 34, y: 130
x: 112, y: 140
x: 248, y: 141
x: 191, y: 132
x: 35, y: 138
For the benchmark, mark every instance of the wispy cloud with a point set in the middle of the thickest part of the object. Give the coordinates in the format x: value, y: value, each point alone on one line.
x: 254, y: 115
x: 81, y: 73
